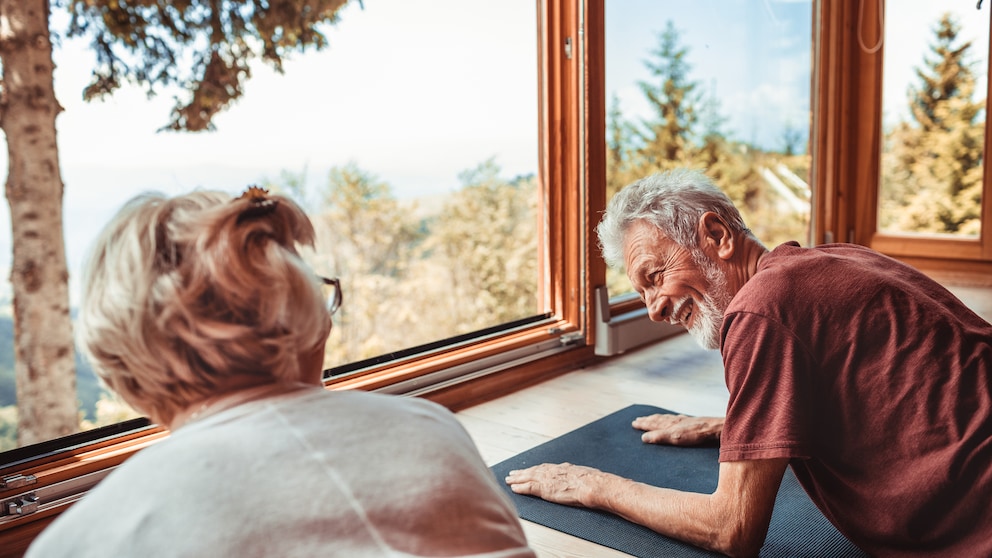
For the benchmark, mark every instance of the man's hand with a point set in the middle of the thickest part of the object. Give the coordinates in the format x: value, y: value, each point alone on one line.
x: 679, y: 430
x: 572, y: 485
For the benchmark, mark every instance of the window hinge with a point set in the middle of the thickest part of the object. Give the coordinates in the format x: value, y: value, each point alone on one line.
x: 16, y: 481
x: 25, y: 504
x: 568, y: 48
x: 574, y: 338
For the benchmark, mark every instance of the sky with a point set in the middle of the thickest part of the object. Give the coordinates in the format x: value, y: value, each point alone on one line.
x: 910, y: 20
x: 415, y: 99
x: 752, y: 55
x: 473, y: 101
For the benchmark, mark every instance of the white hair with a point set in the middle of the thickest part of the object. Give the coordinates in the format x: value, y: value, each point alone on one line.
x: 673, y: 201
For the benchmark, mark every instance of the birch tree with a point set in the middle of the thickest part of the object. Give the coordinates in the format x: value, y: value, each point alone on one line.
x: 44, y: 366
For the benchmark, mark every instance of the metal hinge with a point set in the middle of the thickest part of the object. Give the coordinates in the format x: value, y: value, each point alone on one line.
x: 17, y: 481
x: 25, y: 504
x: 574, y: 338
x: 568, y: 48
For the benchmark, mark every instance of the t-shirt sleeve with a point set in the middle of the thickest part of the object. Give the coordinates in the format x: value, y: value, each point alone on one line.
x: 768, y: 375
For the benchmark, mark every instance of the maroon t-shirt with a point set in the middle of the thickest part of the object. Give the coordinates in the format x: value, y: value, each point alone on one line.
x: 877, y: 383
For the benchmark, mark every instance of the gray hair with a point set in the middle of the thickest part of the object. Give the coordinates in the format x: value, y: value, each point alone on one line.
x: 673, y: 201
x: 180, y: 294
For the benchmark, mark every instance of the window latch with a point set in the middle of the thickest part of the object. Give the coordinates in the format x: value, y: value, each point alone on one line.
x: 16, y: 481
x: 25, y: 504
x: 574, y: 338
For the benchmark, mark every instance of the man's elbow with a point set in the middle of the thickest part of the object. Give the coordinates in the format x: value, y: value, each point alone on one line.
x: 740, y: 538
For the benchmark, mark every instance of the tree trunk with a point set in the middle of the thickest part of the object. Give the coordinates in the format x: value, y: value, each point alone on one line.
x: 44, y: 368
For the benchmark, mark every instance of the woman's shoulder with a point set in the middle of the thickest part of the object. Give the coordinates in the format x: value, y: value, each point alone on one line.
x: 370, y: 402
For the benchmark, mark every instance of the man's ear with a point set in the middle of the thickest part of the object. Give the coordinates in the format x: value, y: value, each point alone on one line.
x: 715, y: 236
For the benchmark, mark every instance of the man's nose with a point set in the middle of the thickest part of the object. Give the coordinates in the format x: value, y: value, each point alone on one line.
x: 658, y: 307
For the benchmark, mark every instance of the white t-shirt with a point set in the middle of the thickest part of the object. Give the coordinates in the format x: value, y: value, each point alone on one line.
x: 311, y: 473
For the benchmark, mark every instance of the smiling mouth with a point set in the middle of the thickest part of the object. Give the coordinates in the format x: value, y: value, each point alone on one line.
x: 684, y: 314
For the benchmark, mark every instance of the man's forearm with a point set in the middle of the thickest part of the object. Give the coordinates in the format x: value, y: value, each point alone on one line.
x: 732, y: 521
x: 686, y: 516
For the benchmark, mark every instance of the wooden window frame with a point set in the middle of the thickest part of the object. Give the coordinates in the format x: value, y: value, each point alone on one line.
x: 846, y: 149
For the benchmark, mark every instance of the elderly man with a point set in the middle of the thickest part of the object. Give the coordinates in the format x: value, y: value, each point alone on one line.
x: 866, y: 377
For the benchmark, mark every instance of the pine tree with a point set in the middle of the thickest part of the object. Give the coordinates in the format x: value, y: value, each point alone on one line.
x: 666, y: 141
x: 619, y: 156
x: 932, y: 170
x: 491, y: 277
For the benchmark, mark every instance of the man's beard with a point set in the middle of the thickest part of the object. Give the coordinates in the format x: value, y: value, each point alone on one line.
x: 709, y: 312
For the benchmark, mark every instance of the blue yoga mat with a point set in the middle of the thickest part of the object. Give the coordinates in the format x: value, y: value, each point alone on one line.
x: 797, y: 529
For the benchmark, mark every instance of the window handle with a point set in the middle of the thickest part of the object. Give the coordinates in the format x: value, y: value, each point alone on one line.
x: 25, y: 504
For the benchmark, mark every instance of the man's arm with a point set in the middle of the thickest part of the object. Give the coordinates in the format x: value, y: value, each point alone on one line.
x: 733, y: 520
x: 679, y: 430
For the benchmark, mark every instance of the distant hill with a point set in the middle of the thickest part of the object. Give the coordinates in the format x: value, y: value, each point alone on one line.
x: 88, y: 387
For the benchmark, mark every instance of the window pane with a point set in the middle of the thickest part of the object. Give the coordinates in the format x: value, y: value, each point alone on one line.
x: 934, y: 87
x: 719, y: 86
x: 412, y: 141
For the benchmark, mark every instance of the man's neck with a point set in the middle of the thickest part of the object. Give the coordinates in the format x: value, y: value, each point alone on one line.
x: 746, y: 260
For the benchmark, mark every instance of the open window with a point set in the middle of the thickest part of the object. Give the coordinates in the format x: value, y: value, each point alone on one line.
x: 902, y: 140
x: 469, y: 292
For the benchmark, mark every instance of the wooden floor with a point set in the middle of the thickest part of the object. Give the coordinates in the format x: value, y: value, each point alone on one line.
x: 675, y: 374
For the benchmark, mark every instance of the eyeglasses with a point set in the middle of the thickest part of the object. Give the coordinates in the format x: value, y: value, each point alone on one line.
x: 332, y: 293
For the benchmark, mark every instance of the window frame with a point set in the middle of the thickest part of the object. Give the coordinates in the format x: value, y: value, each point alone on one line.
x: 847, y: 146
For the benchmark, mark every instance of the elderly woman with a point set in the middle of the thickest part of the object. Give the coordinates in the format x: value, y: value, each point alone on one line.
x: 199, y: 312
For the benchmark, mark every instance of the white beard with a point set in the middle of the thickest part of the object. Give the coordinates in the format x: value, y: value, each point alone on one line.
x: 706, y: 326
x: 709, y: 313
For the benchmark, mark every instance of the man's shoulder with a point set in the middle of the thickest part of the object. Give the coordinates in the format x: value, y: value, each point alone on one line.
x: 792, y: 254
x: 793, y: 276
x: 824, y: 264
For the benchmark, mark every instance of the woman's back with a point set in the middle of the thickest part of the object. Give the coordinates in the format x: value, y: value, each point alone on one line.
x: 309, y: 473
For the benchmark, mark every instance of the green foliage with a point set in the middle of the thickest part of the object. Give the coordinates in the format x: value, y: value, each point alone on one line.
x: 486, y: 241
x: 665, y: 141
x: 109, y: 409
x: 416, y: 274
x: 8, y: 427
x: 376, y: 231
x: 202, y: 46
x: 293, y: 185
x: 368, y: 238
x: 8, y: 385
x: 620, y: 166
x: 932, y: 165
x: 89, y: 390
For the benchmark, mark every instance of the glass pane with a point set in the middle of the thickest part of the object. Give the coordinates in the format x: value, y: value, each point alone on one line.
x: 719, y: 86
x: 412, y: 141
x: 934, y: 88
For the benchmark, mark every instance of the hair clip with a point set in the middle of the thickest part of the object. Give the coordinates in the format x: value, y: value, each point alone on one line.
x: 259, y: 203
